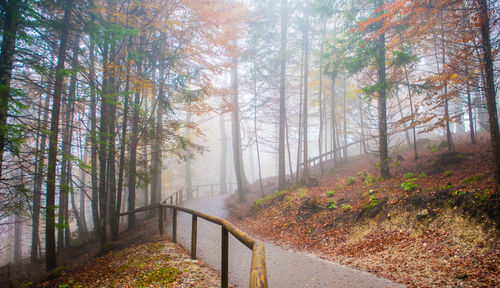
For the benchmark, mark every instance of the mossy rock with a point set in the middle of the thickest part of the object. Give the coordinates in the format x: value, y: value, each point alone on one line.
x: 445, y: 160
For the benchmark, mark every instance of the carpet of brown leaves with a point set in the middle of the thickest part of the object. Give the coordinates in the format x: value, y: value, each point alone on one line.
x: 141, y: 258
x: 436, y: 234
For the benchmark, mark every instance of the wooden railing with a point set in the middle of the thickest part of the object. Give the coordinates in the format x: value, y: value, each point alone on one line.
x: 258, y: 274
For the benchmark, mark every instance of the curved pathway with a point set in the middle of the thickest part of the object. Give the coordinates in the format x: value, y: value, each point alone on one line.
x: 284, y: 268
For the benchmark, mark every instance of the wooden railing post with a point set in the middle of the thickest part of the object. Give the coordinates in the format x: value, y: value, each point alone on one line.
x: 174, y: 225
x: 160, y: 219
x: 224, y: 259
x: 194, y: 233
x: 176, y: 198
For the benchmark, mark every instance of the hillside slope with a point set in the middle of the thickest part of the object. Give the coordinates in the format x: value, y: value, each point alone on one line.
x: 432, y: 224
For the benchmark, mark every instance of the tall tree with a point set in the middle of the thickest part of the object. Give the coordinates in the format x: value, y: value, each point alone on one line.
x: 282, y: 119
x: 50, y: 244
x: 236, y: 133
x: 490, y: 92
x: 11, y: 23
x: 306, y: 86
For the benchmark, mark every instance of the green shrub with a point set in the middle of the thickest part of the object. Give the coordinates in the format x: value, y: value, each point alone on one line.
x: 267, y: 201
x: 369, y: 180
x: 332, y: 204
x: 330, y: 193
x: 458, y: 193
x: 346, y: 207
x: 446, y: 187
x: 448, y: 173
x: 483, y: 195
x: 409, y: 184
x: 472, y: 179
x: 408, y: 175
x: 371, y: 203
x: 351, y: 180
x: 422, y: 175
x: 377, y: 165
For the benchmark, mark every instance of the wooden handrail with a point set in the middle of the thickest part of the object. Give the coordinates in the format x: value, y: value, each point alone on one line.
x: 258, y: 272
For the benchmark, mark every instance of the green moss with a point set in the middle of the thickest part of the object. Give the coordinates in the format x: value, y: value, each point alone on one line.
x: 369, y: 180
x: 330, y: 193
x: 267, y: 201
x: 408, y: 175
x: 472, y: 179
x: 448, y: 173
x: 409, y: 184
x: 163, y: 276
x: 346, y: 207
x: 332, y: 204
x: 351, y: 180
x: 371, y: 203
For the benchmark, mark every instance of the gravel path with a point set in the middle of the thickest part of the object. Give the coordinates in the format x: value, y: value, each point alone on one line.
x: 284, y: 268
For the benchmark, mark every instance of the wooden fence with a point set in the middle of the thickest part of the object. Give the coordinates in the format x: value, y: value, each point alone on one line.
x: 258, y: 274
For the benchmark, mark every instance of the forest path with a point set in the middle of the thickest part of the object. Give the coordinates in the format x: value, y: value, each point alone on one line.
x: 284, y: 268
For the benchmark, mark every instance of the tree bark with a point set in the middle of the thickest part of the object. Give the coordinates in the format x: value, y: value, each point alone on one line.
x: 305, y: 176
x: 50, y: 243
x: 187, y: 167
x: 281, y: 148
x: 223, y: 156
x: 11, y: 22
x: 320, y: 96
x: 37, y: 189
x: 490, y: 93
x: 381, y: 100
x: 236, y: 135
x: 132, y: 167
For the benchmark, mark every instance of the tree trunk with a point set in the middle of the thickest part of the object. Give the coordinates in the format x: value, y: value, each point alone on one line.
x: 17, y: 238
x: 156, y: 151
x: 320, y: 96
x: 414, y: 129
x: 121, y: 165
x: 381, y: 100
x: 469, y: 107
x: 490, y: 93
x: 344, y: 101
x: 132, y: 167
x: 281, y: 148
x: 449, y: 138
x: 334, y: 121
x: 93, y: 131
x: 50, y: 245
x: 254, y: 78
x: 12, y: 18
x: 223, y: 156
x: 299, y: 140
x: 236, y: 135
x: 187, y: 167
x: 37, y: 189
x: 305, y: 176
